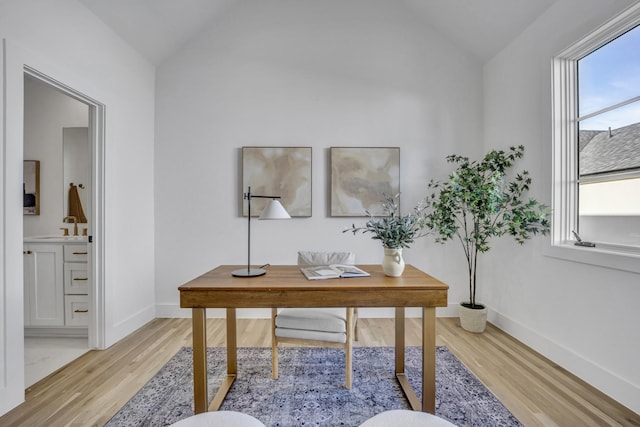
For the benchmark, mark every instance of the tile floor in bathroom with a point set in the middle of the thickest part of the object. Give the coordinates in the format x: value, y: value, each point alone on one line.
x: 44, y: 355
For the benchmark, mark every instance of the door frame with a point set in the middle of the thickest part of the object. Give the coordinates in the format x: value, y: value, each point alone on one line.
x: 96, y: 125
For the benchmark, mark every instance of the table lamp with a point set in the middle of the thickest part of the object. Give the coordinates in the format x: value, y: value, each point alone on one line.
x: 274, y: 210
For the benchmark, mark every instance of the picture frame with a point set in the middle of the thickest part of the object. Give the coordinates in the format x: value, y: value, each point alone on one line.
x: 361, y: 177
x: 278, y: 171
x: 31, y: 187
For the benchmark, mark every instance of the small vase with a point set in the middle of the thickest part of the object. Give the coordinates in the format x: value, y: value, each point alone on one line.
x: 392, y: 262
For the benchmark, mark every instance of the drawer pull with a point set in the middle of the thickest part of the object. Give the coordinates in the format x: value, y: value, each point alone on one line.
x: 80, y: 278
x: 86, y: 310
x: 79, y: 253
x: 26, y: 252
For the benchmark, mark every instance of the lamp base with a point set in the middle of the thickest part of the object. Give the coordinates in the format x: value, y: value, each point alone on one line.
x: 248, y: 272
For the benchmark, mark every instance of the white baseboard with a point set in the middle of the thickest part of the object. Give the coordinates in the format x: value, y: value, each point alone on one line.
x: 126, y: 326
x: 68, y: 332
x: 174, y: 311
x: 617, y: 388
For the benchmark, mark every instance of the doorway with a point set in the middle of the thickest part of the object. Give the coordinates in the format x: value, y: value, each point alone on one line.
x: 63, y: 131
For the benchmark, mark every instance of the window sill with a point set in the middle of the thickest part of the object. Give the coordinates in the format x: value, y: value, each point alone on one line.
x: 607, y: 257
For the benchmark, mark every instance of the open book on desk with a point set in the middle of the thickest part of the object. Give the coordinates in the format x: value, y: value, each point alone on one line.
x: 334, y: 271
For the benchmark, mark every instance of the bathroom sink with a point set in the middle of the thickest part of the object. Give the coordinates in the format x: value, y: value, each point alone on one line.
x: 62, y: 239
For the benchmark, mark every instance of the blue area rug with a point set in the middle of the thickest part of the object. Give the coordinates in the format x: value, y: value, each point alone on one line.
x: 310, y: 390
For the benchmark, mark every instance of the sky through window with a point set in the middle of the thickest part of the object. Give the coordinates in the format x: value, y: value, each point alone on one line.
x: 608, y: 76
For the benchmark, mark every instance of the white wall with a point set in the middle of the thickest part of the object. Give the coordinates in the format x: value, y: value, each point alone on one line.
x: 65, y: 41
x: 583, y: 317
x: 47, y: 111
x: 318, y: 74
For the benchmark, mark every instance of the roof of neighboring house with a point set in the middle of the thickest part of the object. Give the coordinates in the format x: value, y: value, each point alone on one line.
x: 600, y: 153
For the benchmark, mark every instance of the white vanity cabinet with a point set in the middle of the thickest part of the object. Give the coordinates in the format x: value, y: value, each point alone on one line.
x: 56, y: 288
x: 43, y: 284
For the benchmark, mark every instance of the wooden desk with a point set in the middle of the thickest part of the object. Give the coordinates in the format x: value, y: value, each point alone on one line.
x: 285, y: 286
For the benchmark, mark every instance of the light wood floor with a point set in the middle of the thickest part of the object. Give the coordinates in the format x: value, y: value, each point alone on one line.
x: 93, y: 388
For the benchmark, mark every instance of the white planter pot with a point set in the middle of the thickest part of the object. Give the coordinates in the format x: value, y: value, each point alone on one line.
x: 473, y: 319
x: 392, y: 262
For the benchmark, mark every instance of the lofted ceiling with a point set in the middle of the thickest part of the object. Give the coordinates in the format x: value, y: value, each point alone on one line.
x: 158, y: 28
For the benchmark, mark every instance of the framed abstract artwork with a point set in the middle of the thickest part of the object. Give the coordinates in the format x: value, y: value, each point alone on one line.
x: 31, y: 187
x: 278, y: 171
x: 361, y: 177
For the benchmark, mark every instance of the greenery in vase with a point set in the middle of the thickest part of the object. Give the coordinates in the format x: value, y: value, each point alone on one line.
x: 479, y: 202
x: 393, y: 230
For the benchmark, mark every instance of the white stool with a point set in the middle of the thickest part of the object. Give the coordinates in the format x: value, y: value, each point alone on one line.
x: 405, y: 418
x: 219, y: 419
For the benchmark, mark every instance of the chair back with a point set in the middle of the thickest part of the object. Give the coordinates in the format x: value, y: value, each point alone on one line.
x: 326, y: 258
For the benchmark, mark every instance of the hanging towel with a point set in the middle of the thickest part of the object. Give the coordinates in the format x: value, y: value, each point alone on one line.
x: 75, y: 205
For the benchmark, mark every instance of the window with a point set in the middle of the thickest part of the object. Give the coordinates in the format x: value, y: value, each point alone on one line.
x: 596, y: 154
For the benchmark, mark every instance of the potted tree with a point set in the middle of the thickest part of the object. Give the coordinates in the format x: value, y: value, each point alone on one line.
x: 395, y: 231
x: 478, y: 202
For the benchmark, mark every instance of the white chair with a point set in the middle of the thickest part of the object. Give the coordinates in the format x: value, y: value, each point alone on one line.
x: 406, y: 418
x: 219, y: 419
x: 321, y: 327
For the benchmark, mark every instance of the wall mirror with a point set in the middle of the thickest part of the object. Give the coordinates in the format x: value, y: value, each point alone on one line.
x: 31, y: 187
x: 75, y: 171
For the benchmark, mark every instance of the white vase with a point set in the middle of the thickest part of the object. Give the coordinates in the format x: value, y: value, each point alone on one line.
x: 392, y: 262
x: 473, y: 319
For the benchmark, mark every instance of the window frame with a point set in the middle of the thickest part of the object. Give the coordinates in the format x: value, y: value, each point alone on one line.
x: 565, y: 174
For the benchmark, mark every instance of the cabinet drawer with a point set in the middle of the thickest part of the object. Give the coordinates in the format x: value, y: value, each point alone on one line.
x: 76, y: 310
x: 76, y: 253
x: 76, y: 278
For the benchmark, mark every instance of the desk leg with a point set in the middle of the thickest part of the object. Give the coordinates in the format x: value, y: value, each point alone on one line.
x: 400, y: 374
x: 429, y: 359
x: 399, y: 340
x: 428, y: 403
x: 232, y: 365
x: 232, y: 342
x: 199, y: 331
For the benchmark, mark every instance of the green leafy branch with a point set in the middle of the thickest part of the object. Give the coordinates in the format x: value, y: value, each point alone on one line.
x: 478, y: 203
x: 393, y: 230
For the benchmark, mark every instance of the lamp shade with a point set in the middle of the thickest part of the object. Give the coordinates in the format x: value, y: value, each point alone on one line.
x: 274, y: 210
